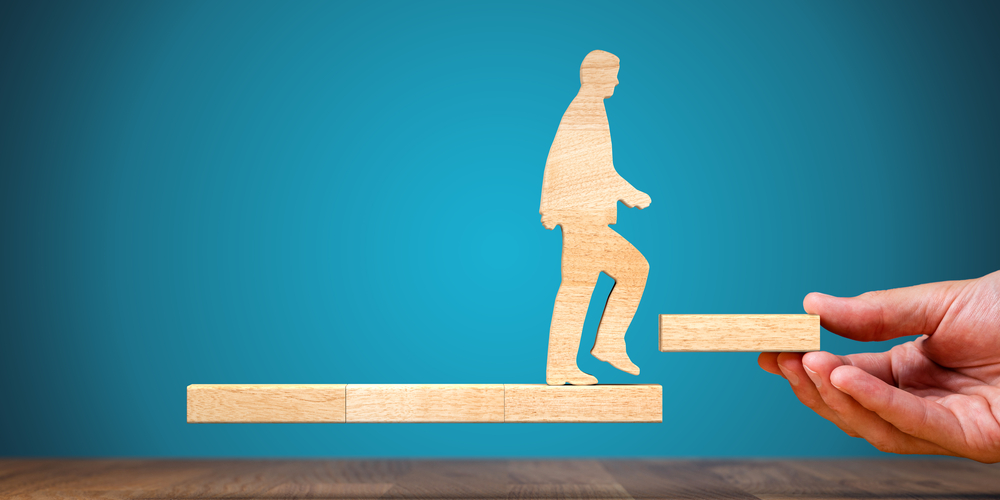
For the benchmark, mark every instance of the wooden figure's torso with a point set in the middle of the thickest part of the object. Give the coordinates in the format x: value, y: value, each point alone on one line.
x: 580, y: 182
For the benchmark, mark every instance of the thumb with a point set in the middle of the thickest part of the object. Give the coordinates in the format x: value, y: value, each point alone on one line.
x: 887, y: 314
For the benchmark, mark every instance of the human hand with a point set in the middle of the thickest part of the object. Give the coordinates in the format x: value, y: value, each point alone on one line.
x: 938, y: 394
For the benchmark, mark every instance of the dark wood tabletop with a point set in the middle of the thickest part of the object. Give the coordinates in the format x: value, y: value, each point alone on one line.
x: 482, y: 479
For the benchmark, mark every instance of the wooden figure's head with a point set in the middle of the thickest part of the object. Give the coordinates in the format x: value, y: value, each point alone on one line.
x: 599, y: 73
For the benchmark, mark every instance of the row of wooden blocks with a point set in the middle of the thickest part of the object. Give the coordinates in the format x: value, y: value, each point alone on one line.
x: 397, y: 403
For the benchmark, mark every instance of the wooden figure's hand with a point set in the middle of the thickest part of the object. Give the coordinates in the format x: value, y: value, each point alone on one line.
x: 549, y: 222
x: 938, y: 394
x: 637, y: 199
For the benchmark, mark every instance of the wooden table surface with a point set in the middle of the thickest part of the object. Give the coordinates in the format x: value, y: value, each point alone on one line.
x: 481, y: 479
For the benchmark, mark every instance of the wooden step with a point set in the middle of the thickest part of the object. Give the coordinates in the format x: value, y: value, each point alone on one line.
x: 427, y: 403
x: 739, y: 332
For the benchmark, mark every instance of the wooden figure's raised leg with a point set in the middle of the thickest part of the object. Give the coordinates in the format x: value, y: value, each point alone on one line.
x: 629, y: 270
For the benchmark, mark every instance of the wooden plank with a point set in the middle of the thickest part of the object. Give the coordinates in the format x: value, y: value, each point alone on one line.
x: 855, y: 479
x: 674, y: 479
x: 269, y: 403
x: 451, y: 479
x: 739, y: 332
x: 425, y: 403
x: 398, y: 403
x: 641, y: 479
x: 589, y: 403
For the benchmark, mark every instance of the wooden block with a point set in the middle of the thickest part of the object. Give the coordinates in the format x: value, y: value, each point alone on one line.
x: 739, y: 332
x: 358, y: 403
x: 271, y: 403
x: 425, y: 403
x: 584, y: 403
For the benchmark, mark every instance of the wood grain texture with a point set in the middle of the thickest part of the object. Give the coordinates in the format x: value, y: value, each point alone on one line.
x: 268, y: 403
x: 739, y: 332
x: 936, y: 479
x: 673, y: 479
x: 389, y: 403
x: 594, y: 403
x: 580, y: 193
x: 428, y: 403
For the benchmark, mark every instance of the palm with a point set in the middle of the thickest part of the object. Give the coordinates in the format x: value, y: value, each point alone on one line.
x: 937, y: 394
x: 967, y: 337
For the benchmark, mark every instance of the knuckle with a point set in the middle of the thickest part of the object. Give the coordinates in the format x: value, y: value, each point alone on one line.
x: 883, y: 443
x: 847, y: 429
x: 812, y: 401
x: 812, y: 404
x: 836, y: 405
x: 884, y: 447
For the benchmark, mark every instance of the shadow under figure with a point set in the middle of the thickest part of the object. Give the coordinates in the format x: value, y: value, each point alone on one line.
x: 580, y: 193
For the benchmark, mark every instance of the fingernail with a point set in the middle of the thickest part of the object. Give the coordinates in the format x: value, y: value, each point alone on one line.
x: 834, y: 384
x: 792, y: 379
x: 814, y: 377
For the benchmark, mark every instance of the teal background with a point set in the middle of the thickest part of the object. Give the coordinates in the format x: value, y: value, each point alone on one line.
x: 321, y: 192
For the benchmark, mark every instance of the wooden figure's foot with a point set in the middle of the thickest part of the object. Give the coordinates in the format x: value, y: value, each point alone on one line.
x: 614, y: 352
x: 572, y: 376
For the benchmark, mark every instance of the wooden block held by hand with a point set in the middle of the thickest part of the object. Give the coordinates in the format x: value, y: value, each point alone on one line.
x: 739, y: 332
x: 583, y: 403
x: 267, y: 403
x: 425, y: 403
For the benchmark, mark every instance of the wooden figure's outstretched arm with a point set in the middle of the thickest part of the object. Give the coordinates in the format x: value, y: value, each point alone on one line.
x: 549, y: 221
x: 632, y: 197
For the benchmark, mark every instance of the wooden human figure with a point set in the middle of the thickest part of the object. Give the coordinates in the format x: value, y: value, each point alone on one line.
x: 580, y: 193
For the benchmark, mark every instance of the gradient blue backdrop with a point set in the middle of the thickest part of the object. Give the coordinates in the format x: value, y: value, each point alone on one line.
x: 300, y: 192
